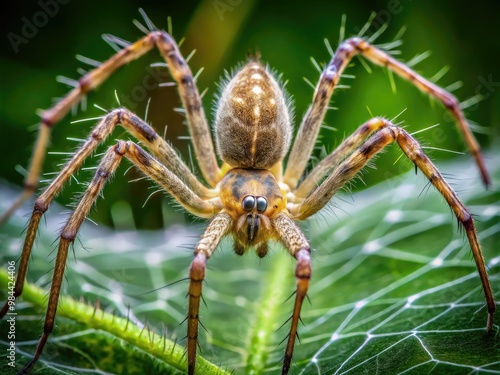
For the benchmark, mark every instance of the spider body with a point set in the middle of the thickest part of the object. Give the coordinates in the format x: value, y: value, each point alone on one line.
x: 252, y: 123
x: 254, y: 195
x: 252, y: 132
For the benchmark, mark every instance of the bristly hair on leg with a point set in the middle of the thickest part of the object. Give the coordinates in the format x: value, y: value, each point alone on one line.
x: 418, y: 58
x: 170, y: 29
x: 343, y: 21
x: 146, y: 111
x: 316, y: 65
x: 377, y: 33
x: 368, y: 23
x: 150, y: 25
x: 329, y: 47
x: 87, y: 60
x: 115, y: 42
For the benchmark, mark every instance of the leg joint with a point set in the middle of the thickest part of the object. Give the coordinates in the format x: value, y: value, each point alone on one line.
x: 47, y: 120
x: 122, y: 147
x: 86, y: 83
x: 451, y: 102
x: 107, y: 124
x: 197, y: 270
x: 29, y: 186
x: 68, y: 233
x: 303, y: 269
x: 41, y: 205
x: 358, y: 43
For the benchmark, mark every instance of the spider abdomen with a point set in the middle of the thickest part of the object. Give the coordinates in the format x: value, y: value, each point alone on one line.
x: 252, y: 121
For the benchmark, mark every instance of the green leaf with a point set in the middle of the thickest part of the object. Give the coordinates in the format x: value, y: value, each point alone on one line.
x: 394, y: 290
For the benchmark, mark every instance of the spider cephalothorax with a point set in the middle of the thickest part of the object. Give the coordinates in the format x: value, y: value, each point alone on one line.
x: 252, y: 195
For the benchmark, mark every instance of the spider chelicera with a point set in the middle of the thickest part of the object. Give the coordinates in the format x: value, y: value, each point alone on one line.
x: 252, y: 196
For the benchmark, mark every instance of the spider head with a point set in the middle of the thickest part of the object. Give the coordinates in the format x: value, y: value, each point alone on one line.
x: 252, y: 197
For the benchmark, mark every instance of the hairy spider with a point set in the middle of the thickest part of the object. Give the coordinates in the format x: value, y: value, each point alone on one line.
x: 252, y: 196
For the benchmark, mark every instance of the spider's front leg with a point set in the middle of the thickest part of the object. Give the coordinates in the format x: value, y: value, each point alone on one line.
x: 68, y: 234
x: 217, y: 228
x: 358, y: 159
x: 141, y: 131
x: 152, y: 169
x: 297, y: 245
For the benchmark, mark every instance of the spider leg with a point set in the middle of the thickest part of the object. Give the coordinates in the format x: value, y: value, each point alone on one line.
x: 298, y: 247
x: 68, y: 234
x: 352, y: 164
x: 197, y: 121
x: 154, y: 170
x: 140, y: 130
x: 217, y: 228
x: 347, y: 146
x: 188, y: 92
x: 309, y: 128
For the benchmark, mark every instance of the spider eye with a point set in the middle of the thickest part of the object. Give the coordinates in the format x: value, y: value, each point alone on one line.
x: 261, y: 204
x: 248, y: 203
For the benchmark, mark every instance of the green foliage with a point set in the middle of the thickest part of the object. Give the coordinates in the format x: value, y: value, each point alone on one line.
x: 394, y: 290
x: 286, y: 34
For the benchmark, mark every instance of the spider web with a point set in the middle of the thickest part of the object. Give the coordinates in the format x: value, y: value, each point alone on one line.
x: 394, y: 289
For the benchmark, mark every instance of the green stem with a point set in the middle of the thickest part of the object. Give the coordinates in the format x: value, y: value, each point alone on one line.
x: 165, y: 350
x: 264, y: 326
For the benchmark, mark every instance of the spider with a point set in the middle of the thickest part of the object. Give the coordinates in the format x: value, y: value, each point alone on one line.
x: 253, y: 196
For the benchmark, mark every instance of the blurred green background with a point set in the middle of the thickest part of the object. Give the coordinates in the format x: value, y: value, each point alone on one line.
x: 287, y: 33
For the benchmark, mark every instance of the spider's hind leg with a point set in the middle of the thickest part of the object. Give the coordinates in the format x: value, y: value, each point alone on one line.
x: 358, y: 159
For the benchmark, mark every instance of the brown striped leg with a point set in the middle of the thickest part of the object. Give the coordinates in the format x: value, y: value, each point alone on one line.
x: 309, y: 129
x: 201, y: 135
x: 313, y: 178
x: 297, y: 245
x: 68, y: 234
x: 217, y: 228
x: 190, y: 97
x: 358, y: 159
x: 53, y: 115
x: 169, y: 181
x: 152, y: 169
x: 140, y: 130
